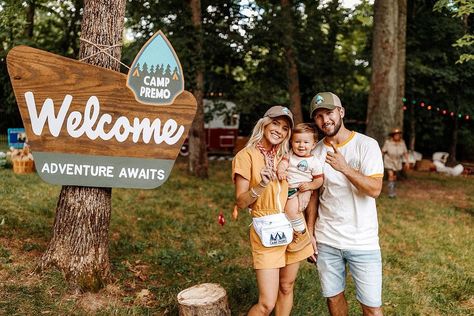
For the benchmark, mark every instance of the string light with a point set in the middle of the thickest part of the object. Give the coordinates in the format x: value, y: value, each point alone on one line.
x: 430, y: 107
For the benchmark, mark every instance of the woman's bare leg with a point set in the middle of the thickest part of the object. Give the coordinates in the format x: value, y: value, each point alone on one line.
x: 267, y: 281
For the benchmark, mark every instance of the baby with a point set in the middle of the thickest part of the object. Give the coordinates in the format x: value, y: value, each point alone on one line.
x: 303, y: 171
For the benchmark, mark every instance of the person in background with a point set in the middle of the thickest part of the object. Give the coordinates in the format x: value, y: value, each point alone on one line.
x: 394, y: 150
x: 344, y: 220
x: 258, y: 188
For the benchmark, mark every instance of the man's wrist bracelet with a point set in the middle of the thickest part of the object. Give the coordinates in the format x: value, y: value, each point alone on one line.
x: 262, y: 185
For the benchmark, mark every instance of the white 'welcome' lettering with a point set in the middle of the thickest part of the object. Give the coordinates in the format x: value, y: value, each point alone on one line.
x: 78, y: 124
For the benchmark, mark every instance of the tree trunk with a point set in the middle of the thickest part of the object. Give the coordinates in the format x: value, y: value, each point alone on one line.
x: 454, y: 142
x: 412, y: 141
x: 79, y: 246
x: 72, y: 30
x: 382, y: 104
x: 30, y: 18
x: 452, y: 159
x: 412, y: 127
x: 401, y: 42
x: 78, y: 4
x: 454, y: 135
x: 198, y: 164
x: 334, y: 29
x: 292, y: 67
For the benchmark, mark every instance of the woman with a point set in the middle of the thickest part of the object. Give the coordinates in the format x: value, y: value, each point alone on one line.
x: 393, y: 150
x: 257, y: 187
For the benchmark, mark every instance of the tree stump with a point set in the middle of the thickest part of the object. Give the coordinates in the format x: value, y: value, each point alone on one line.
x: 207, y: 299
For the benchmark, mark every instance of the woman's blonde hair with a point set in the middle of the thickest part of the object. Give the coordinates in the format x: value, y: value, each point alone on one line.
x: 257, y: 136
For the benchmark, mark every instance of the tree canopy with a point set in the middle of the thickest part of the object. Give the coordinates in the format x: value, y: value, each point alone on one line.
x: 244, y: 58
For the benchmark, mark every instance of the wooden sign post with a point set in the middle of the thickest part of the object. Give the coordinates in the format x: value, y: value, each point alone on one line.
x: 87, y: 128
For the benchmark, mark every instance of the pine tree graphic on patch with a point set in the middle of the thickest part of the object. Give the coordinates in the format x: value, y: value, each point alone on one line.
x: 156, y: 76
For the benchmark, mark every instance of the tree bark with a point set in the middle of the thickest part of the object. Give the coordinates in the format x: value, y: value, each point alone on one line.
x: 78, y: 4
x: 292, y: 67
x: 79, y: 245
x: 452, y: 159
x: 412, y: 140
x: 30, y: 18
x: 401, y: 42
x: 198, y: 163
x: 333, y: 31
x: 71, y: 33
x: 412, y: 127
x: 382, y: 104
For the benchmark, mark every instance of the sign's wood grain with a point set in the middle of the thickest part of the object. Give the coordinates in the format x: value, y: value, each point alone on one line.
x: 51, y: 76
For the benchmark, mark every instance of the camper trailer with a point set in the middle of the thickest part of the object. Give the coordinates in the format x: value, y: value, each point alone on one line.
x: 221, y: 127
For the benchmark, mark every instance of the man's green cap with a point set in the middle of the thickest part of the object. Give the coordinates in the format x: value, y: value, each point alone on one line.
x: 324, y: 100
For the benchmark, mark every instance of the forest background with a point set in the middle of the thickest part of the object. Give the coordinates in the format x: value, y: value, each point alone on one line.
x: 257, y: 54
x: 244, y: 57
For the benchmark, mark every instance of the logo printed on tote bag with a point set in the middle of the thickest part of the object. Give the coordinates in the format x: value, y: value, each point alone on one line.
x: 278, y: 238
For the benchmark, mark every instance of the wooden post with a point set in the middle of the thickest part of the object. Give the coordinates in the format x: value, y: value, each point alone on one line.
x: 207, y: 299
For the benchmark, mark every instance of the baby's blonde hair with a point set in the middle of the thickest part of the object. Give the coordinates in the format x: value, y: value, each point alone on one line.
x: 306, y: 128
x: 257, y: 136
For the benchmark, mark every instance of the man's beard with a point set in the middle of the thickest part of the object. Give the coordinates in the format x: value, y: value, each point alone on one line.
x: 337, y: 127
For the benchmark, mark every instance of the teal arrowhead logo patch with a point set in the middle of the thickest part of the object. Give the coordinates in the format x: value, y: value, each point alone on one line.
x: 156, y: 76
x: 319, y: 99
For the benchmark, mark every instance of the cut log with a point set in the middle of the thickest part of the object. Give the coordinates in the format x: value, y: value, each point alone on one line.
x: 207, y: 299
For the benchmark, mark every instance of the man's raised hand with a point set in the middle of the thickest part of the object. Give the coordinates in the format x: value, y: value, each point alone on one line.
x: 336, y: 160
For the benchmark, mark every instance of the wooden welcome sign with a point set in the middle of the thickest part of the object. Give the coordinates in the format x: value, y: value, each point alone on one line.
x: 86, y: 127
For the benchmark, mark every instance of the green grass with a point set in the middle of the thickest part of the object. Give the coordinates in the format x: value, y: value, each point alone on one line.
x: 427, y: 240
x: 168, y: 239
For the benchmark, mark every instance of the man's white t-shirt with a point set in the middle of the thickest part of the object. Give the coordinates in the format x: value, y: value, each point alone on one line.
x: 347, y: 219
x: 302, y: 169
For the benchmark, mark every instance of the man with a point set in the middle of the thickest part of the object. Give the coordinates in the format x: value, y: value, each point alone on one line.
x: 345, y: 219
